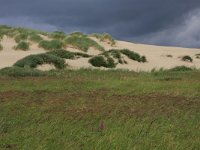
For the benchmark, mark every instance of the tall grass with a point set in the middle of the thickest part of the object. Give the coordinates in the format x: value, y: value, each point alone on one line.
x: 58, y: 35
x: 105, y: 37
x: 35, y: 38
x: 133, y: 55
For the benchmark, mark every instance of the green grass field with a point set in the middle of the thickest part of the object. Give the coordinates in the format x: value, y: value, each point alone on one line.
x: 102, y: 110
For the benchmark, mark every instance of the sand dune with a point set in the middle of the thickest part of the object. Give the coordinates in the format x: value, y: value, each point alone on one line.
x: 156, y: 55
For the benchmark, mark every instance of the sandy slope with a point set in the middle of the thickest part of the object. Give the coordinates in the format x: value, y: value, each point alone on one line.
x: 156, y: 55
x: 8, y: 56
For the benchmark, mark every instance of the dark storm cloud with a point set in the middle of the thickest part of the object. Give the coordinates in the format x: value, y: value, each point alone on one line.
x: 149, y: 21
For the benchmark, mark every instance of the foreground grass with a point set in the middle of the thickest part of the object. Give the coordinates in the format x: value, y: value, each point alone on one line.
x: 88, y: 109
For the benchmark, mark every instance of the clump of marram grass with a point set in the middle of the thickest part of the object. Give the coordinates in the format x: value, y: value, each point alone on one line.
x: 21, y: 72
x: 133, y: 55
x: 187, y: 58
x: 32, y: 61
x: 51, y: 45
x: 82, y: 42
x: 77, y: 34
x: 35, y: 38
x: 101, y: 61
x: 59, y: 35
x: 22, y: 45
x: 67, y: 54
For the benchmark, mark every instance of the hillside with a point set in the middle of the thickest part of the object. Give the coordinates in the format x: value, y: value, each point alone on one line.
x: 101, y: 50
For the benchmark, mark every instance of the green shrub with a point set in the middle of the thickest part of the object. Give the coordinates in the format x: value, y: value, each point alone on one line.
x: 57, y: 35
x: 116, y: 54
x: 134, y: 56
x: 105, y: 37
x: 1, y: 47
x: 33, y: 61
x: 187, y: 58
x: 51, y: 45
x: 22, y: 46
x: 35, y: 38
x: 100, y: 61
x: 20, y: 72
x: 181, y: 68
x: 82, y: 43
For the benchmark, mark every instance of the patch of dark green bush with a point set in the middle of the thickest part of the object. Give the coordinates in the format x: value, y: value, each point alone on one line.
x: 22, y: 46
x: 101, y: 61
x: 51, y: 45
x: 116, y: 54
x: 83, y: 43
x: 133, y: 55
x: 35, y: 38
x: 187, y: 58
x: 20, y: 72
x: 33, y: 61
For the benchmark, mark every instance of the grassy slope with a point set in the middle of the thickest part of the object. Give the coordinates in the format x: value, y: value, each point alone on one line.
x: 138, y: 110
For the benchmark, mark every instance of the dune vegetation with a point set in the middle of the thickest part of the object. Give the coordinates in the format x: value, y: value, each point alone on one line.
x: 22, y: 45
x: 82, y: 42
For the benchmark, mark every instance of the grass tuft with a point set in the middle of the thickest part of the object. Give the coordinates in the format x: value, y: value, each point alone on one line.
x: 134, y: 56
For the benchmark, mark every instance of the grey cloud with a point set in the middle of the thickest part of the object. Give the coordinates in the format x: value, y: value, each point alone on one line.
x: 138, y: 20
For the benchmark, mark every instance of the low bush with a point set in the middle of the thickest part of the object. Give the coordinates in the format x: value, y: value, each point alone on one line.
x: 134, y: 56
x: 51, y: 45
x: 20, y: 72
x: 83, y: 43
x: 35, y: 38
x: 22, y: 46
x: 187, y: 58
x: 181, y: 68
x: 66, y: 54
x: 100, y: 61
x: 116, y: 54
x: 33, y: 61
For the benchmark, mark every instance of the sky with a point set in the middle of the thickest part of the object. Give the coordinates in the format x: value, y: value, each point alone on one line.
x: 160, y: 22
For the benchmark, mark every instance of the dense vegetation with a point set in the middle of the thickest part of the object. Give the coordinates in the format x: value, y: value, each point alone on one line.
x: 101, y: 61
x: 93, y: 109
x: 35, y: 38
x: 82, y: 42
x: 32, y: 61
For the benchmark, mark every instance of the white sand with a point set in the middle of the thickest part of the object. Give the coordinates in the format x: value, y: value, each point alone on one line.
x: 156, y: 55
